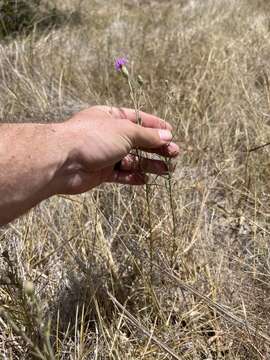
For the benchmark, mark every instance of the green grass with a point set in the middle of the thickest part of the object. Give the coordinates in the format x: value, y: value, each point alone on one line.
x: 206, y: 68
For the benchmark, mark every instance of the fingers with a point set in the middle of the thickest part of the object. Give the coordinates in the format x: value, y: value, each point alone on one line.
x: 131, y: 170
x: 154, y: 141
x: 132, y: 163
x: 170, y: 150
x: 146, y: 138
x: 147, y: 120
x: 128, y: 178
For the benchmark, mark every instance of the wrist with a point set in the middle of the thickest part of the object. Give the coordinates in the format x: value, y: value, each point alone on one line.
x: 55, y: 157
x: 67, y: 160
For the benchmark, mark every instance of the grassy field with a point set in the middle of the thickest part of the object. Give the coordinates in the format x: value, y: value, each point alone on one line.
x: 108, y: 274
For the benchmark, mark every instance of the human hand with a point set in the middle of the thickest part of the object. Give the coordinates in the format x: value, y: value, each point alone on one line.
x: 100, y: 137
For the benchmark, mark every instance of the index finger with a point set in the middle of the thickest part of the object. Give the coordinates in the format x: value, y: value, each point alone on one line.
x: 147, y: 120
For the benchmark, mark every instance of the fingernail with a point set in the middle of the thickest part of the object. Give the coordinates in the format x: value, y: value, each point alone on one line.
x: 146, y: 179
x: 143, y: 178
x: 173, y: 149
x: 165, y: 135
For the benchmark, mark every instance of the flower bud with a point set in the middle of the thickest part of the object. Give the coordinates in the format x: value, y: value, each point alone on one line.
x: 140, y: 80
x: 124, y: 71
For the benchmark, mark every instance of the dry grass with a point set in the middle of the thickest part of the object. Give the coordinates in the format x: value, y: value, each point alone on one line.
x: 88, y: 256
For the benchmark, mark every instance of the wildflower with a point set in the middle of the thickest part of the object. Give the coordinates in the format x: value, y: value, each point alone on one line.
x: 120, y: 65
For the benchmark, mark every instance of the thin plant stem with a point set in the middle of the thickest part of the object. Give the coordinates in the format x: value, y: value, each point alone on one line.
x: 150, y: 227
x: 171, y: 200
x: 169, y: 186
x: 136, y: 103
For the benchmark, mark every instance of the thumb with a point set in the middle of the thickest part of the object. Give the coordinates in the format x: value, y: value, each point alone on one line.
x: 148, y: 138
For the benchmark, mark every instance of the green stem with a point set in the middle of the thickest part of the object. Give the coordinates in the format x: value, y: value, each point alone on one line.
x: 136, y: 104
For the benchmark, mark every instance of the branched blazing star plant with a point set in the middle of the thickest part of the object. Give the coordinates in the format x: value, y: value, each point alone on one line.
x: 137, y: 95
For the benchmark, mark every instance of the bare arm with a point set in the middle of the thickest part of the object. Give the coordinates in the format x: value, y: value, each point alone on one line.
x: 40, y: 160
x: 31, y: 155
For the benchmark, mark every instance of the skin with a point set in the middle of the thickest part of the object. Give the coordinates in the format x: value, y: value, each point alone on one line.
x: 42, y: 160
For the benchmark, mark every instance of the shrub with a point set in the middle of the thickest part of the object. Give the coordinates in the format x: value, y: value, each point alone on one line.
x: 20, y: 16
x: 17, y: 16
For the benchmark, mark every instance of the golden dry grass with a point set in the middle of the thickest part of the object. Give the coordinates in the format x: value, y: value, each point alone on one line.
x: 206, y: 67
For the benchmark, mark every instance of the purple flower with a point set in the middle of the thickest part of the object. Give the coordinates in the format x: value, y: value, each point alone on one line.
x: 119, y: 63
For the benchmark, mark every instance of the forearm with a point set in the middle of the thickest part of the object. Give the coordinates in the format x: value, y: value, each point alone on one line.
x: 41, y: 160
x: 31, y: 156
